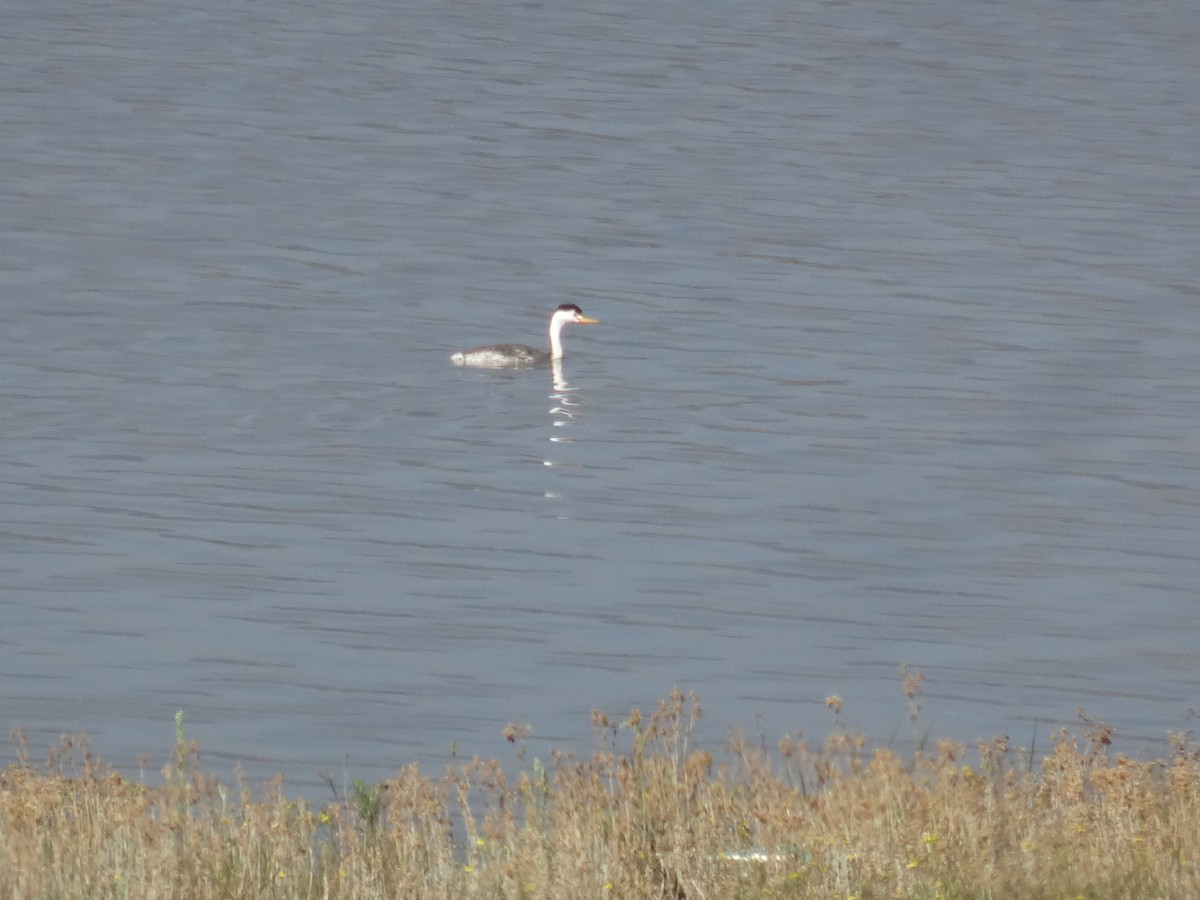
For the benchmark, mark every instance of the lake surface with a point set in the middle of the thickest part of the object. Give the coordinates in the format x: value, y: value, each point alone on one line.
x: 899, y: 365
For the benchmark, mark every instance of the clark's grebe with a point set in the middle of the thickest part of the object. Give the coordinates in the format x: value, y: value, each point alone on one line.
x: 499, y: 356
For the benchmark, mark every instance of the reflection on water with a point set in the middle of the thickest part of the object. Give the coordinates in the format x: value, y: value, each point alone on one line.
x: 566, y: 403
x: 905, y: 371
x: 566, y: 406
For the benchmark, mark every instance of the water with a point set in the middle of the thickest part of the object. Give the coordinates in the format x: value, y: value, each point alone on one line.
x: 898, y: 365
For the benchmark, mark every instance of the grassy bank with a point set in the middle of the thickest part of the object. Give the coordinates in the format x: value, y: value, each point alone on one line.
x: 646, y: 816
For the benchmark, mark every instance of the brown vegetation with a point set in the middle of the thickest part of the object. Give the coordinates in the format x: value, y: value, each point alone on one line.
x: 647, y: 816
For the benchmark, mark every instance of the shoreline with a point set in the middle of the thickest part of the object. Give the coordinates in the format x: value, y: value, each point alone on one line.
x: 648, y: 814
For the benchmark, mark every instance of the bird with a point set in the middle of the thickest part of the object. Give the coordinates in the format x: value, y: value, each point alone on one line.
x: 501, y: 356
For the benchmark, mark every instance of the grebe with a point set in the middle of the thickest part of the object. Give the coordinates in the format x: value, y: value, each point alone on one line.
x: 499, y: 356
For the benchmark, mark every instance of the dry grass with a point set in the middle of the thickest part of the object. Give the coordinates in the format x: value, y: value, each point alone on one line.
x: 647, y: 816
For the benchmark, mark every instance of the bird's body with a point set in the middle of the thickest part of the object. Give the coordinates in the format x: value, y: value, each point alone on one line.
x: 502, y: 356
x: 496, y: 356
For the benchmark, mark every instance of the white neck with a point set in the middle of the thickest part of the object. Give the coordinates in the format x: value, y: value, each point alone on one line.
x: 556, y: 327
